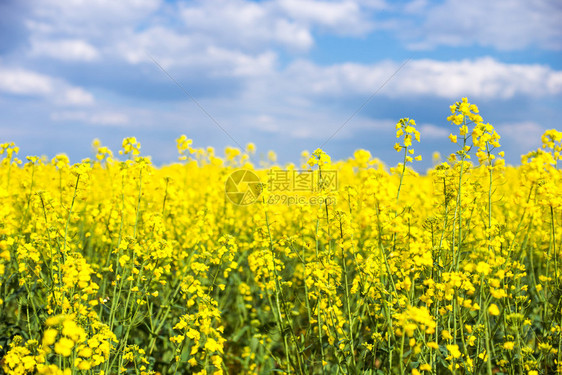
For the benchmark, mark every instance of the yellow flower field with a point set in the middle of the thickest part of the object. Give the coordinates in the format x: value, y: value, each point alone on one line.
x: 114, y: 266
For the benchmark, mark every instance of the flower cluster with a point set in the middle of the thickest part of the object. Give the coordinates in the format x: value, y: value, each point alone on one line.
x: 130, y: 147
x: 406, y: 128
x: 320, y: 158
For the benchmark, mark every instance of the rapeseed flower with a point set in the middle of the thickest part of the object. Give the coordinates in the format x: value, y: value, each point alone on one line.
x: 113, y: 264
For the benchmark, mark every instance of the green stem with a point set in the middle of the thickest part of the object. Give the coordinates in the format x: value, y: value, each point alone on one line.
x: 347, y: 300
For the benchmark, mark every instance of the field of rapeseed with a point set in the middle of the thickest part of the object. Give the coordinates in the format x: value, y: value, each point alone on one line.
x: 115, y: 266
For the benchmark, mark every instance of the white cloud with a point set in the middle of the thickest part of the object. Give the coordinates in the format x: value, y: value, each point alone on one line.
x: 303, y: 133
x: 76, y: 96
x: 17, y: 81
x: 264, y: 123
x: 482, y: 78
x: 185, y: 55
x: 244, y: 24
x: 526, y: 135
x: 104, y: 118
x: 336, y: 80
x: 96, y: 18
x: 431, y: 131
x: 110, y: 119
x: 85, y: 31
x: 229, y: 24
x: 170, y: 46
x: 69, y: 116
x: 24, y: 82
x: 416, y: 6
x: 293, y: 35
x: 240, y: 64
x: 342, y: 17
x: 506, y: 25
x: 68, y: 49
x: 287, y: 23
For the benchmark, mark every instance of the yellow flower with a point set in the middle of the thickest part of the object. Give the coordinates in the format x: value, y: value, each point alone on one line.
x: 130, y: 146
x: 432, y: 345
x: 85, y: 352
x: 272, y: 156
x: 319, y: 157
x: 55, y: 320
x: 213, y: 346
x: 250, y: 148
x: 83, y: 364
x: 453, y: 138
x: 407, y: 141
x: 406, y: 127
x: 508, y: 345
x: 494, y: 310
x: 73, y: 331
x: 64, y: 346
x: 181, y: 324
x: 50, y: 336
x: 446, y: 335
x: 454, y: 350
x: 177, y: 339
x: 483, y: 268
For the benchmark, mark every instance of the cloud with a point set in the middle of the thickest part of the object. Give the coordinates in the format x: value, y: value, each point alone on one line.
x: 526, y: 135
x: 243, y: 24
x: 76, y: 96
x: 70, y: 30
x: 169, y: 46
x: 416, y: 6
x: 238, y: 40
x: 187, y: 56
x: 67, y: 49
x: 94, y: 19
x: 23, y: 82
x: 484, y: 78
x: 431, y: 131
x: 264, y: 123
x: 18, y: 81
x: 342, y: 17
x: 505, y: 25
x: 286, y: 23
x: 104, y: 118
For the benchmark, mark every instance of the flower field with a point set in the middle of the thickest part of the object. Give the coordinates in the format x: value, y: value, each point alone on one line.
x: 115, y: 266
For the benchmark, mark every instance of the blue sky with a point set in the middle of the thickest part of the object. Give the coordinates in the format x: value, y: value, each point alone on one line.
x: 284, y: 74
